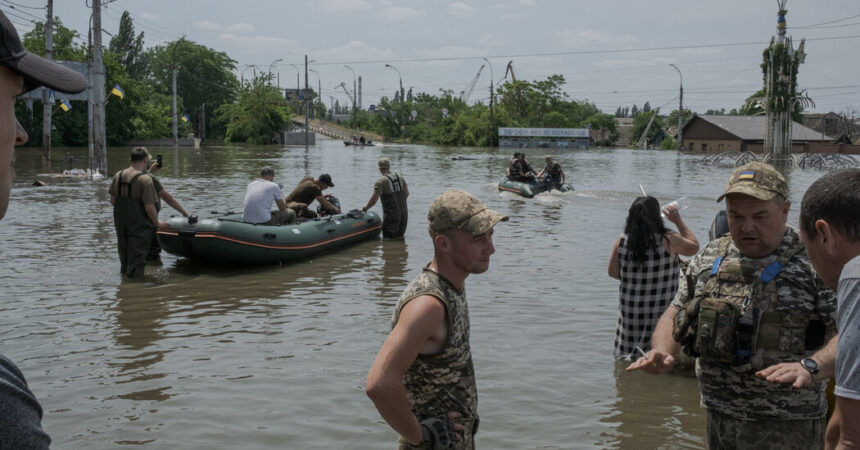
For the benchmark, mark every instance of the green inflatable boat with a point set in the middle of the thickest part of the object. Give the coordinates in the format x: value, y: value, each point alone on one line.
x: 228, y: 240
x: 529, y: 190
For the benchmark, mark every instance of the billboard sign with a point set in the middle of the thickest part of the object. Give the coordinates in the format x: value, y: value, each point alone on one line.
x: 544, y: 132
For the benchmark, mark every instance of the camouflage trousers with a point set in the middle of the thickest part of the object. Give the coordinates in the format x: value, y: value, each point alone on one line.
x: 468, y: 442
x: 728, y: 433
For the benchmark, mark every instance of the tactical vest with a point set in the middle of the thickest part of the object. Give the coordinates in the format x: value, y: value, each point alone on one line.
x: 554, y: 171
x: 733, y: 317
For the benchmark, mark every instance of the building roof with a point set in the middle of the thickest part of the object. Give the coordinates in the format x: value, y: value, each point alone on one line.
x: 752, y: 128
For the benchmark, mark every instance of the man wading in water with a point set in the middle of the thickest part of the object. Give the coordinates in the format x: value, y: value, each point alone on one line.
x: 423, y: 381
x: 20, y: 72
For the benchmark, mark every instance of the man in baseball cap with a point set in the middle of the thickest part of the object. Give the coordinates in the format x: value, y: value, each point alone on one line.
x: 20, y: 72
x: 762, y: 371
x: 758, y: 180
x: 432, y: 400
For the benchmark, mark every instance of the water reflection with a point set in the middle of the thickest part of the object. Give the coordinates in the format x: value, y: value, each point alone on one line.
x: 393, y: 274
x: 641, y: 416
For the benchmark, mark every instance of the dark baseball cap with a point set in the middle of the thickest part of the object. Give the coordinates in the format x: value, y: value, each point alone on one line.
x: 37, y: 71
x: 326, y: 178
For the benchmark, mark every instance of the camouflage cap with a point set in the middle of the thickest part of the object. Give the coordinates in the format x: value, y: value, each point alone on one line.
x: 461, y: 210
x: 758, y: 180
x: 384, y: 163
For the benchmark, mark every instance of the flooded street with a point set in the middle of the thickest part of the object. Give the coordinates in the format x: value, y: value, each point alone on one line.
x: 276, y: 357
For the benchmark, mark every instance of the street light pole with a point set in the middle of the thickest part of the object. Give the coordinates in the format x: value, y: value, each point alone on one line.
x: 354, y: 105
x: 680, y: 109
x: 242, y: 75
x: 402, y: 125
x: 297, y: 78
x: 492, y: 102
x: 279, y: 72
x: 319, y: 87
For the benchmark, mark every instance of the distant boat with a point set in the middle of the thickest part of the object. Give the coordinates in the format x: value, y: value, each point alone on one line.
x: 367, y: 143
x: 529, y: 190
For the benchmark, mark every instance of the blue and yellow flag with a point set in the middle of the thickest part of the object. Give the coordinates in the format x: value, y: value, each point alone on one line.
x: 118, y: 91
x: 185, y: 117
x: 65, y: 105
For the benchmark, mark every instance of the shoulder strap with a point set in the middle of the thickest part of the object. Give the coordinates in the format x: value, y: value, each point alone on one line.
x: 724, y: 250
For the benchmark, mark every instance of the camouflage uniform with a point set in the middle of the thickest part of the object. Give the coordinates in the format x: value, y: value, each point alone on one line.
x: 553, y: 169
x: 445, y: 381
x: 743, y: 409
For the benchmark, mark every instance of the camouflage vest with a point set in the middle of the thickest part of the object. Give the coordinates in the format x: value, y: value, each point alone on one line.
x: 554, y: 171
x: 445, y: 381
x: 776, y: 293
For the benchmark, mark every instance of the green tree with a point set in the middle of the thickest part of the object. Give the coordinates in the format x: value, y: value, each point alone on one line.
x: 258, y: 114
x: 640, y: 122
x: 204, y: 77
x: 128, y: 48
x: 603, y: 128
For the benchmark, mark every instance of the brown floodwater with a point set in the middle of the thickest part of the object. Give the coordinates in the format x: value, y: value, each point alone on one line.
x: 276, y: 356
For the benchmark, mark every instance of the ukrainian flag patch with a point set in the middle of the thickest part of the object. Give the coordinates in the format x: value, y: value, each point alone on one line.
x: 747, y: 175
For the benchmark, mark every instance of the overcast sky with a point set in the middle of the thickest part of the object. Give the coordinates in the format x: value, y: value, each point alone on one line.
x: 613, y: 53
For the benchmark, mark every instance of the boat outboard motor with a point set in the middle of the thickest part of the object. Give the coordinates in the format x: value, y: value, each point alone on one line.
x: 333, y: 200
x: 719, y: 226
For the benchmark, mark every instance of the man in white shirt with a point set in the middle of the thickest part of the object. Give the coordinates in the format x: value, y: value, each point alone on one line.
x: 830, y: 229
x: 258, y: 201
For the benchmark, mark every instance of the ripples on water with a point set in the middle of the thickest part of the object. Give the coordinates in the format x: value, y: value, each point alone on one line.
x: 275, y: 357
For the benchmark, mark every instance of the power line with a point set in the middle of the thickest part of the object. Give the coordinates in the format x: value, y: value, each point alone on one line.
x: 13, y: 14
x: 826, y: 23
x: 13, y: 5
x: 576, y: 52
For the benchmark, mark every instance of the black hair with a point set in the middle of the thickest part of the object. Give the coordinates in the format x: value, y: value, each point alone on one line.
x: 643, y: 222
x: 267, y: 171
x: 834, y: 198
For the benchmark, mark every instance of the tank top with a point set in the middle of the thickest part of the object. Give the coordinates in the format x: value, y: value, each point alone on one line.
x: 445, y: 381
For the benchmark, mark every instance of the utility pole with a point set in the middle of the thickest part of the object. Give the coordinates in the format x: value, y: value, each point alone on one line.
x: 174, y: 70
x: 305, y: 99
x: 90, y: 98
x: 98, y: 91
x: 492, y: 103
x: 47, y: 105
x: 680, y: 109
x: 175, y: 125
x: 203, y: 122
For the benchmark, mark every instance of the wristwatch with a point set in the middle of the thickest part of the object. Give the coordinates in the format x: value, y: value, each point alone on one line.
x: 810, y: 365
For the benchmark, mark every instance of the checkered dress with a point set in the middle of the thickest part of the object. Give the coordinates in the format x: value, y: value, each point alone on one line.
x: 644, y: 293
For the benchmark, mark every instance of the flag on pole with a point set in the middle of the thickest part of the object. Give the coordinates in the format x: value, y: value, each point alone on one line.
x: 185, y: 117
x: 118, y: 91
x: 65, y: 105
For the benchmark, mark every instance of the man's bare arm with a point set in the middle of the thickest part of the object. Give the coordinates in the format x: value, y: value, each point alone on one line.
x: 419, y: 320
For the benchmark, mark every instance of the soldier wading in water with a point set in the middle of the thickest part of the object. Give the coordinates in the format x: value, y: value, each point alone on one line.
x: 756, y: 315
x: 423, y: 381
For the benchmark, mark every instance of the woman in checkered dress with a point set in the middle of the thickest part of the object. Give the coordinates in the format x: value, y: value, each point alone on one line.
x: 645, y: 260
